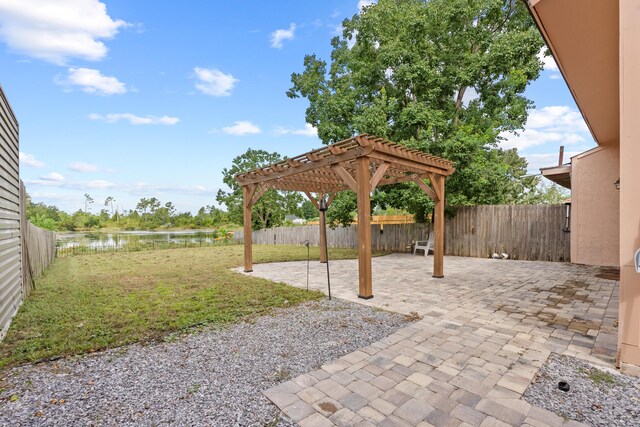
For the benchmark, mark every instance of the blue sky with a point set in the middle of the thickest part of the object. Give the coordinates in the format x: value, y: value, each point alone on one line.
x: 142, y: 98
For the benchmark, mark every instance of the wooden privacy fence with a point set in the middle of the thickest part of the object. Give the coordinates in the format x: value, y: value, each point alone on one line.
x: 525, y: 232
x: 395, y: 237
x: 38, y: 247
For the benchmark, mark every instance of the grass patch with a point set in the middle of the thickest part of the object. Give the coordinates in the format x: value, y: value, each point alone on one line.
x: 599, y: 377
x: 89, y: 303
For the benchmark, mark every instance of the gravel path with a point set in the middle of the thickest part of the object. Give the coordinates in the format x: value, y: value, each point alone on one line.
x: 597, y: 396
x: 209, y: 378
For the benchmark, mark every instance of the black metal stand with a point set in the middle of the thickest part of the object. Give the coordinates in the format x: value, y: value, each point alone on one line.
x: 322, y: 207
x: 306, y: 243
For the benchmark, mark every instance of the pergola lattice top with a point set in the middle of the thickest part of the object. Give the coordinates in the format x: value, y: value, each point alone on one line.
x: 323, y: 170
x: 359, y: 164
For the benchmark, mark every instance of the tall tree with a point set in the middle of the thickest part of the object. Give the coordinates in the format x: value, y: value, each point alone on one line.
x: 442, y: 76
x: 109, y: 202
x: 272, y: 207
x: 87, y: 201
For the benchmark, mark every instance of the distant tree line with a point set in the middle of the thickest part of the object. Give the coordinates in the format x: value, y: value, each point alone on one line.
x: 149, y: 214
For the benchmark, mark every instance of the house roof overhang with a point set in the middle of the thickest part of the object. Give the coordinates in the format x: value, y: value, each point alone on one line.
x: 561, y: 175
x: 331, y: 169
x: 583, y: 38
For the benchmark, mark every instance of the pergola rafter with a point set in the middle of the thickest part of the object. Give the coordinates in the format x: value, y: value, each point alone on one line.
x: 359, y: 164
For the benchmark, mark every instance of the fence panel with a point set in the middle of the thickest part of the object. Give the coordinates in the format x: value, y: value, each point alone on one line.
x: 525, y: 232
x: 39, y: 248
x: 11, y: 291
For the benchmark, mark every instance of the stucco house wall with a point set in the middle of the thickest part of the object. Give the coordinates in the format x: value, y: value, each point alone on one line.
x: 595, y: 207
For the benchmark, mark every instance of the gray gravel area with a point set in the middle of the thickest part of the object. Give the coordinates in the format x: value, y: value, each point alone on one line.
x: 212, y: 377
x: 597, y: 396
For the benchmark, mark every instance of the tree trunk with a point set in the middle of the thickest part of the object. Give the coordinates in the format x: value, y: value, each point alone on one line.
x: 459, y: 98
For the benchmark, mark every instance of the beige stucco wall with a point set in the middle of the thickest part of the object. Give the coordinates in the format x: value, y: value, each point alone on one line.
x: 595, y: 213
x: 629, y: 316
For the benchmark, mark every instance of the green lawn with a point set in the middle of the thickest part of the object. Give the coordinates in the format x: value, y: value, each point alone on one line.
x: 88, y: 303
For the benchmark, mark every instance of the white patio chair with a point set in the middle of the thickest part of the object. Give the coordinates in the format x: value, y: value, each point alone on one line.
x: 425, y: 245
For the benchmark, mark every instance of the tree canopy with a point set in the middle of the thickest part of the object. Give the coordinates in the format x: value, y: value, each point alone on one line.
x: 272, y: 207
x: 149, y: 214
x: 443, y: 76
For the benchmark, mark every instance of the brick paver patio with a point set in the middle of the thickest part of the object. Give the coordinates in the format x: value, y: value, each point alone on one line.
x: 486, y: 329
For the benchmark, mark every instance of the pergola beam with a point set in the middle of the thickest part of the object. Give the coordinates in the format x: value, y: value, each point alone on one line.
x: 439, y: 192
x: 413, y: 165
x: 378, y: 175
x: 346, y: 177
x: 259, y: 193
x: 304, y: 167
x: 431, y: 193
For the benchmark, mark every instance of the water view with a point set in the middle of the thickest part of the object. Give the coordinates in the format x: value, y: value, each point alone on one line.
x: 92, y: 242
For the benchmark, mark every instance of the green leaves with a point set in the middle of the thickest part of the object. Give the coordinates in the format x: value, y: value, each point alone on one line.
x: 272, y: 207
x: 443, y: 76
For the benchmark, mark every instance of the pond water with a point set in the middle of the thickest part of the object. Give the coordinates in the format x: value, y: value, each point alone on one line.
x: 104, y: 241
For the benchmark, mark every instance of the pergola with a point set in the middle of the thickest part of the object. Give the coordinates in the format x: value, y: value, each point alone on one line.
x: 359, y: 164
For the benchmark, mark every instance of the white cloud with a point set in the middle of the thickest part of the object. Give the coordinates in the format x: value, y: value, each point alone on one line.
x: 92, y: 81
x: 364, y: 3
x: 99, y: 184
x: 51, y: 181
x: 54, y: 180
x: 214, y: 82
x: 53, y: 176
x: 469, y: 95
x: 544, y: 160
x: 144, y: 188
x: 559, y: 125
x: 83, y: 167
x: 278, y: 36
x: 532, y: 138
x: 549, y: 64
x: 354, y: 38
x: 557, y: 117
x: 56, y: 31
x: 548, y: 61
x: 242, y: 127
x: 134, y: 119
x: 308, y: 130
x: 30, y: 160
x: 54, y: 197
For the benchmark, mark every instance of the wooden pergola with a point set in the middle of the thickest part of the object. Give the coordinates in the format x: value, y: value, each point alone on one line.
x: 359, y: 164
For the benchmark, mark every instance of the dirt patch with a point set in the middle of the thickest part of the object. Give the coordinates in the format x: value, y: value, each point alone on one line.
x: 610, y: 273
x: 328, y: 407
x: 557, y: 298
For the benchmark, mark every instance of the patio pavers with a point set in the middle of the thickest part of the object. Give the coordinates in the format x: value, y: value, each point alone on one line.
x: 486, y: 329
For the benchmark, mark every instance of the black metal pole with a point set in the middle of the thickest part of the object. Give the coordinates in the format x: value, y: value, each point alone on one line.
x: 326, y: 252
x: 322, y: 207
x: 306, y: 243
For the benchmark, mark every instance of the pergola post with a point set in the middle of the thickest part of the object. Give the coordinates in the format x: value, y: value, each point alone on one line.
x: 438, y: 225
x: 364, y: 228
x: 322, y: 223
x: 246, y: 213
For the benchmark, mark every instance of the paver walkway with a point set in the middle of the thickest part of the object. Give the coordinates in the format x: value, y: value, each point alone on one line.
x: 486, y: 329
